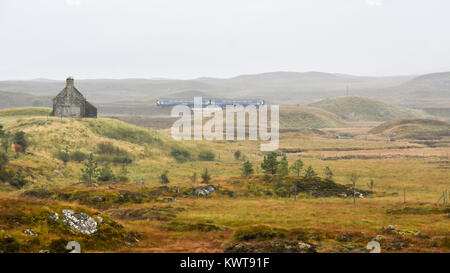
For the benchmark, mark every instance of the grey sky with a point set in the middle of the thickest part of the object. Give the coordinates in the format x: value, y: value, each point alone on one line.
x: 221, y: 38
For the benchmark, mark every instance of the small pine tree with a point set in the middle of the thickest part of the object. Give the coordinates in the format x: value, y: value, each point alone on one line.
x: 206, y: 177
x: 328, y: 173
x: 371, y: 184
x: 310, y: 173
x: 237, y: 155
x: 283, y: 167
x: 3, y: 160
x: 247, y: 169
x: 20, y: 140
x: 64, y: 156
x: 164, y: 178
x: 297, y: 166
x: 2, y: 133
x: 270, y: 163
x: 6, y: 143
x: 106, y: 174
x: 194, y: 177
x: 90, y: 172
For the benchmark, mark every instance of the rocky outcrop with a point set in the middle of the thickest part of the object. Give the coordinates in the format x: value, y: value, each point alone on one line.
x: 204, y: 191
x: 79, y: 221
x: 276, y: 246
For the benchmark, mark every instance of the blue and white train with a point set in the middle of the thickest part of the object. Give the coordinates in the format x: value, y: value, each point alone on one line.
x: 218, y: 102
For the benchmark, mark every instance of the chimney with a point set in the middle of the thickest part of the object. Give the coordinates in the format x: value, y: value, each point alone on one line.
x: 69, y: 82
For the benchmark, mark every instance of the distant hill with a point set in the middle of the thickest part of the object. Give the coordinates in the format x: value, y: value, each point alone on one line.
x: 12, y: 99
x: 365, y: 109
x: 308, y: 117
x: 279, y: 87
x: 414, y: 128
x: 284, y: 88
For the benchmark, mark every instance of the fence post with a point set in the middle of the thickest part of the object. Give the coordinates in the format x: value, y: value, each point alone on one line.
x: 404, y: 196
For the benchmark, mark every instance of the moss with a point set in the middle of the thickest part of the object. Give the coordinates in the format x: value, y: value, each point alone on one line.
x: 154, y: 213
x: 10, y: 244
x: 58, y: 246
x: 203, y: 227
x: 260, y: 232
x: 420, y: 210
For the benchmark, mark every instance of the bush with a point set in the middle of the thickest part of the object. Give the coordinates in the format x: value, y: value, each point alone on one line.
x: 58, y: 246
x: 18, y: 180
x: 106, y: 174
x: 206, y: 155
x: 3, y: 160
x: 247, y: 168
x: 63, y: 155
x: 181, y: 155
x: 206, y: 177
x: 164, y: 178
x: 78, y: 156
x: 20, y: 140
x: 122, y: 159
x: 108, y: 148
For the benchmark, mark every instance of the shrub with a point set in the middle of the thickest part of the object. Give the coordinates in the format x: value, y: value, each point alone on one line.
x: 9, y: 245
x: 237, y: 155
x: 78, y: 156
x: 106, y: 174
x: 58, y: 246
x: 206, y: 177
x: 6, y: 144
x: 122, y: 159
x: 247, y: 168
x: 164, y: 178
x: 20, y: 139
x: 108, y: 148
x: 206, y: 155
x: 64, y: 155
x: 181, y: 155
x: 270, y: 163
x: 283, y: 167
x: 3, y: 160
x: 310, y: 173
x: 18, y: 180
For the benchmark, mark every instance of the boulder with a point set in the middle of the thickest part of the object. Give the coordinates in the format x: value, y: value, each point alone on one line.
x: 29, y: 232
x: 79, y: 221
x: 54, y: 216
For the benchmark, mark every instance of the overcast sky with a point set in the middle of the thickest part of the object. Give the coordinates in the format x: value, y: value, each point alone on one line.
x: 221, y: 38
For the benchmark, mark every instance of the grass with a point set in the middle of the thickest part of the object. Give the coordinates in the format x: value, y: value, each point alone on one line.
x: 194, y: 224
x: 308, y: 117
x: 365, y: 109
x: 36, y: 111
x: 414, y: 128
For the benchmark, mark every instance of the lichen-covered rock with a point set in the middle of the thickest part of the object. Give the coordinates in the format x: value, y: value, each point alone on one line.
x: 99, y: 218
x: 390, y: 227
x: 276, y: 246
x: 203, y: 191
x: 29, y: 232
x: 79, y: 221
x: 54, y: 216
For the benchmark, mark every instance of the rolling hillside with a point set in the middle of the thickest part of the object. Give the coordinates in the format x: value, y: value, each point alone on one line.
x: 49, y: 136
x: 425, y: 129
x: 279, y: 87
x: 365, y: 109
x: 308, y: 117
x: 17, y: 99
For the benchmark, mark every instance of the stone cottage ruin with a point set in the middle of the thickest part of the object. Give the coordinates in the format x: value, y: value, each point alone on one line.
x: 71, y: 103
